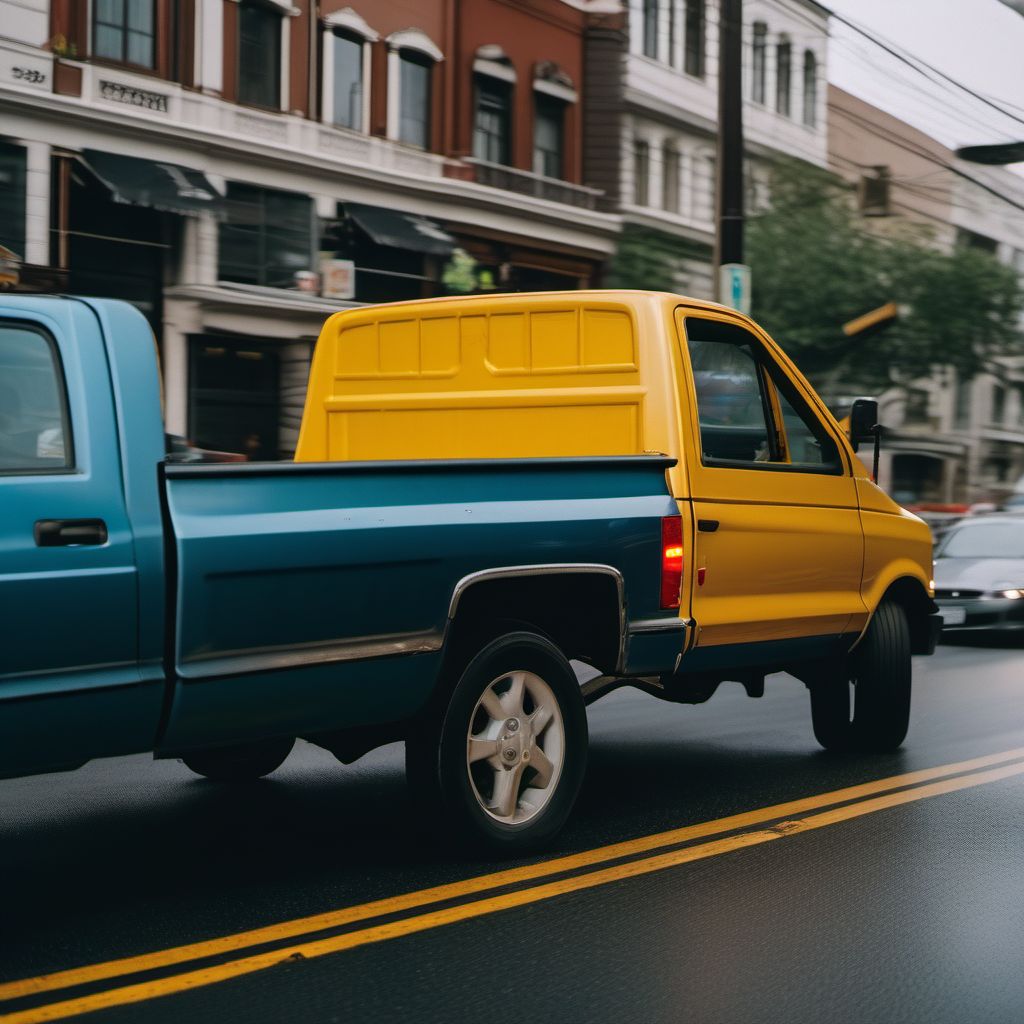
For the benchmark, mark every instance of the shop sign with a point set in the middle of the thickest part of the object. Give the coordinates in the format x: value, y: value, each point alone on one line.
x: 338, y: 279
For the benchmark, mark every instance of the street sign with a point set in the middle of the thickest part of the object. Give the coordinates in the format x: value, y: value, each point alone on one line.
x: 734, y: 286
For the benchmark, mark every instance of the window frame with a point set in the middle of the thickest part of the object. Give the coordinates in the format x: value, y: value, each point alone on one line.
x: 810, y: 90
x: 261, y: 232
x: 422, y: 60
x: 773, y: 381
x: 759, y: 64
x: 490, y: 85
x: 543, y: 99
x: 268, y: 7
x: 784, y: 46
x: 70, y: 466
x: 152, y: 67
x: 695, y: 24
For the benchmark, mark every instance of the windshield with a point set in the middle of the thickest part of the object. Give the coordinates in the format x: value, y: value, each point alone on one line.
x: 988, y: 540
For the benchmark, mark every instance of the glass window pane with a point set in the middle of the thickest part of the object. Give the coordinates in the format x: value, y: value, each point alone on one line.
x: 259, y: 56
x: 110, y: 12
x: 348, y: 82
x: 140, y: 15
x: 414, y: 93
x: 491, y: 125
x: 13, y: 169
x: 140, y: 49
x: 548, y: 132
x: 693, y: 58
x: 748, y: 409
x: 641, y: 172
x: 34, y: 431
x: 109, y: 42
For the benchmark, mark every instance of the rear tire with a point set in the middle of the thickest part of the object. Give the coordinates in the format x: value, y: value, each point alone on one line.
x: 241, y: 763
x: 505, y: 763
x: 865, y: 705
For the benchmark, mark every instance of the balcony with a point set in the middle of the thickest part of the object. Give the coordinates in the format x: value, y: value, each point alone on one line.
x: 554, y: 190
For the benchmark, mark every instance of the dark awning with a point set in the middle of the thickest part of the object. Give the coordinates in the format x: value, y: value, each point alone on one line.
x: 401, y: 230
x: 157, y: 184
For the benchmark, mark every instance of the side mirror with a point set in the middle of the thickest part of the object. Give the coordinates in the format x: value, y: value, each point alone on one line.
x: 863, y: 421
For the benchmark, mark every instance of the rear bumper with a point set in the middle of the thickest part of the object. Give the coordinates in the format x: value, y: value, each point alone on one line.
x: 654, y: 646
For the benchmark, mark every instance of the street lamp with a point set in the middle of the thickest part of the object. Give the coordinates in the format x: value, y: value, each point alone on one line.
x: 1000, y: 153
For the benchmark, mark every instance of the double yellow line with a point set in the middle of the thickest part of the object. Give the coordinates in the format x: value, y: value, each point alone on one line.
x: 622, y: 861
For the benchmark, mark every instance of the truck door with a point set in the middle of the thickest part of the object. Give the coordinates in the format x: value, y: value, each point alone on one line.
x: 69, y: 675
x: 779, y: 546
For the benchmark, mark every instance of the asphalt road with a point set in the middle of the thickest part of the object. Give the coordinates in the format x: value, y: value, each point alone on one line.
x: 911, y: 910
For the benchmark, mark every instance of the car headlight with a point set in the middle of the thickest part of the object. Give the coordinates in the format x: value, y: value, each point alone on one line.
x: 1012, y: 594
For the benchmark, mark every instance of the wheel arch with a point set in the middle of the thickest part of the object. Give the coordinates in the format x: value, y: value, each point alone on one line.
x: 580, y: 607
x: 910, y: 592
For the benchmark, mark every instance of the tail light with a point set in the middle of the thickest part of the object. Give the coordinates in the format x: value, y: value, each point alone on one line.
x: 671, y: 560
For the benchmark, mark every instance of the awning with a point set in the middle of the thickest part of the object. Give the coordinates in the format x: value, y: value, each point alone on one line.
x: 156, y: 184
x: 401, y: 230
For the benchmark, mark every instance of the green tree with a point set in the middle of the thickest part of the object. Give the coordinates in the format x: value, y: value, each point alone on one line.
x: 815, y: 266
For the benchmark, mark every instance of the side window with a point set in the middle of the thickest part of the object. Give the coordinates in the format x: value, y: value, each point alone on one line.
x: 748, y: 410
x: 34, y: 432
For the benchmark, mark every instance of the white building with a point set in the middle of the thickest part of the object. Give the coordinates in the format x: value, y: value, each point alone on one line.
x: 666, y: 100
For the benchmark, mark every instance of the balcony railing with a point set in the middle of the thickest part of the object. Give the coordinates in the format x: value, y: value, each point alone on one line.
x: 512, y: 179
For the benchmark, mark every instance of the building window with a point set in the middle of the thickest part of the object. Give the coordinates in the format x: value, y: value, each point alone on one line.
x: 13, y: 165
x: 348, y: 81
x: 259, y: 55
x: 810, y: 89
x: 548, y: 136
x: 966, y: 239
x: 670, y: 179
x: 414, y: 99
x: 710, y: 187
x: 267, y: 237
x: 651, y: 28
x: 783, y: 60
x: 874, y: 192
x: 641, y: 172
x: 759, y: 62
x: 998, y: 404
x: 693, y: 58
x: 123, y: 30
x: 493, y: 120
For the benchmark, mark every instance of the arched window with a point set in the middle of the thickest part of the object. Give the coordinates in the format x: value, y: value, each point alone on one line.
x: 810, y: 89
x: 346, y: 67
x: 494, y: 80
x: 759, y: 62
x: 784, y: 61
x: 411, y: 63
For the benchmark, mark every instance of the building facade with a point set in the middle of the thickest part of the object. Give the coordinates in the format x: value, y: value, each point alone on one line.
x: 651, y: 140
x: 948, y: 441
x: 239, y: 169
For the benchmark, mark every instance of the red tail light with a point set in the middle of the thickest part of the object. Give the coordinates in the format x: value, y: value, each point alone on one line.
x: 671, y: 560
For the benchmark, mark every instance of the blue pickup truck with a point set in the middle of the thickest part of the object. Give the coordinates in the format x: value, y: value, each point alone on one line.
x: 215, y: 612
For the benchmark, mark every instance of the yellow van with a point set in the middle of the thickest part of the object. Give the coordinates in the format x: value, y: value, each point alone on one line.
x: 793, y: 558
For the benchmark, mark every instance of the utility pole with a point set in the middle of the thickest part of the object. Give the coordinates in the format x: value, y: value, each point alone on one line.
x: 729, y: 193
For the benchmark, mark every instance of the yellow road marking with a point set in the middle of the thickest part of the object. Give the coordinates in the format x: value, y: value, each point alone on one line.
x: 434, y: 919
x: 468, y: 887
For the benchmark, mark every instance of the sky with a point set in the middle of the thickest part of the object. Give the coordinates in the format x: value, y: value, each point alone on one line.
x: 979, y: 43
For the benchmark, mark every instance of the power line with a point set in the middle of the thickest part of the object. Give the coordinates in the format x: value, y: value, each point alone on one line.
x: 913, y: 62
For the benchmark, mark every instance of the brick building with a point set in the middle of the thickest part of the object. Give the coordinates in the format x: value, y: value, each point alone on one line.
x: 240, y: 168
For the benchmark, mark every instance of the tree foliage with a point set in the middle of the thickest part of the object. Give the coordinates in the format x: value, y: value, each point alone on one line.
x: 816, y: 266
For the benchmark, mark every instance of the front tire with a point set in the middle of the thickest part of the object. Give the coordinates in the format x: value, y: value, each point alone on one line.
x: 506, y: 764
x: 241, y: 763
x: 865, y: 705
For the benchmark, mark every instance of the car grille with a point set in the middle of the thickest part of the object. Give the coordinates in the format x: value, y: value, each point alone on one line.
x: 958, y: 593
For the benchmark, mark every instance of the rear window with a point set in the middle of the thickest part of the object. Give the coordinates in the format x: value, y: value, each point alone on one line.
x: 985, y: 540
x: 35, y: 436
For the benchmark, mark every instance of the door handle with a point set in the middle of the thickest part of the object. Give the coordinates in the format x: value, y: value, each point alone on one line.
x: 53, y: 533
x: 707, y: 525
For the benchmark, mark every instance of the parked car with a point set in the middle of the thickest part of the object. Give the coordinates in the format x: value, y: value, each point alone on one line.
x: 979, y: 574
x: 485, y: 489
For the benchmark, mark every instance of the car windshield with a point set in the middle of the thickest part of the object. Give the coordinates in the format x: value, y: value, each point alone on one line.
x: 985, y: 540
